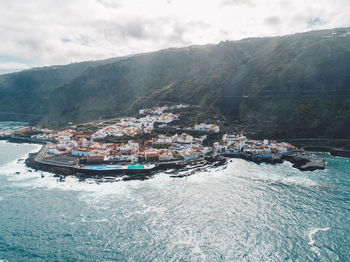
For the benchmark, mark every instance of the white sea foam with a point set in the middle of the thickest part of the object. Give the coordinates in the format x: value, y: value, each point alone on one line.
x: 152, y: 209
x: 313, y: 232
x: 22, y: 176
x: 29, y: 178
x: 100, y: 220
x: 273, y: 174
x: 189, y: 239
x: 35, y: 148
x: 316, y: 250
x: 88, y: 190
x: 313, y: 248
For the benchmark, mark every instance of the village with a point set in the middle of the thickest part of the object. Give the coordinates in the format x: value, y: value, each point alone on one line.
x: 133, y: 140
x: 157, y: 148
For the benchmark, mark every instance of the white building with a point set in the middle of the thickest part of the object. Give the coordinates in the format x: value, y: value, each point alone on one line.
x: 80, y: 152
x: 207, y: 128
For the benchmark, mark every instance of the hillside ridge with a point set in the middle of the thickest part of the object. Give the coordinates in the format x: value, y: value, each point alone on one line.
x: 287, y: 86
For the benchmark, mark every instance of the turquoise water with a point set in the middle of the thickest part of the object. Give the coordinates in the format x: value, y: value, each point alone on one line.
x: 136, y: 167
x: 243, y: 212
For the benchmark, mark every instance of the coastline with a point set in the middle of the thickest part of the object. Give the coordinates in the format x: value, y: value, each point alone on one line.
x: 133, y: 174
x: 333, y: 151
x: 336, y: 147
x: 230, y: 187
x: 299, y: 163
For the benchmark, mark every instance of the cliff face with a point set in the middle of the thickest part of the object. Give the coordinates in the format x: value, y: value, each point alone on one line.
x: 291, y: 86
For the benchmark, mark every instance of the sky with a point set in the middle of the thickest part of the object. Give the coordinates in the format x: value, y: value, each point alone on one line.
x: 50, y: 32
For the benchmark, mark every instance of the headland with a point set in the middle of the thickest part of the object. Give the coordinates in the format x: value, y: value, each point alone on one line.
x: 139, y: 147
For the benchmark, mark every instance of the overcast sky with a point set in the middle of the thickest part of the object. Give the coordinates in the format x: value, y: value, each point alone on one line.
x: 47, y: 32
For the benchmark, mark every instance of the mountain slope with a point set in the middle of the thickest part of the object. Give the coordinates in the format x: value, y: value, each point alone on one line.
x: 28, y: 91
x: 290, y: 86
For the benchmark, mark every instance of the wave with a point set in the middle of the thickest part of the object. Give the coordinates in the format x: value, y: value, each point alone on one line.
x: 313, y: 248
x: 238, y: 169
x: 283, y: 174
x: 313, y: 232
x: 24, y: 149
x: 21, y: 175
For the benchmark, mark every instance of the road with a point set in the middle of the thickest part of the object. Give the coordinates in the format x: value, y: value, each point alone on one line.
x: 43, y: 152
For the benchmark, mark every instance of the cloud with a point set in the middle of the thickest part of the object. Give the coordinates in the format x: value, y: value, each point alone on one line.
x: 273, y: 21
x: 110, y: 3
x: 127, y: 28
x: 237, y: 2
x: 58, y: 32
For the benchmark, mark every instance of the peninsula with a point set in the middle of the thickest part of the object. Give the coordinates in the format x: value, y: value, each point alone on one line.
x: 151, y: 142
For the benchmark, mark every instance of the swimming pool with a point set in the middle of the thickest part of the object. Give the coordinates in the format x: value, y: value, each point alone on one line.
x: 103, y: 167
x: 136, y: 167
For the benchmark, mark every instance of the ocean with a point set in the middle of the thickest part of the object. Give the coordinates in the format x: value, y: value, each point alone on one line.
x: 240, y: 212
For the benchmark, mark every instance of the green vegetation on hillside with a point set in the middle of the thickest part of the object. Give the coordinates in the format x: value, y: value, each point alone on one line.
x: 290, y: 86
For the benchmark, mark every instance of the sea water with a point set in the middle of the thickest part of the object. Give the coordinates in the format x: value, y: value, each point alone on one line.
x: 240, y: 212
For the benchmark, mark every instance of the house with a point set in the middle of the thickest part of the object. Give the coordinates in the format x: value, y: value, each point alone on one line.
x: 207, y: 128
x: 81, y: 152
x: 190, y: 155
x: 162, y: 139
x: 165, y: 157
x: 95, y: 159
x: 152, y: 156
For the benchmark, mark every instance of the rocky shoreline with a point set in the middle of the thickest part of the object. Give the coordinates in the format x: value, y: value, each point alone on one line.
x: 299, y: 162
x: 178, y: 169
x: 304, y: 164
x: 333, y: 151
